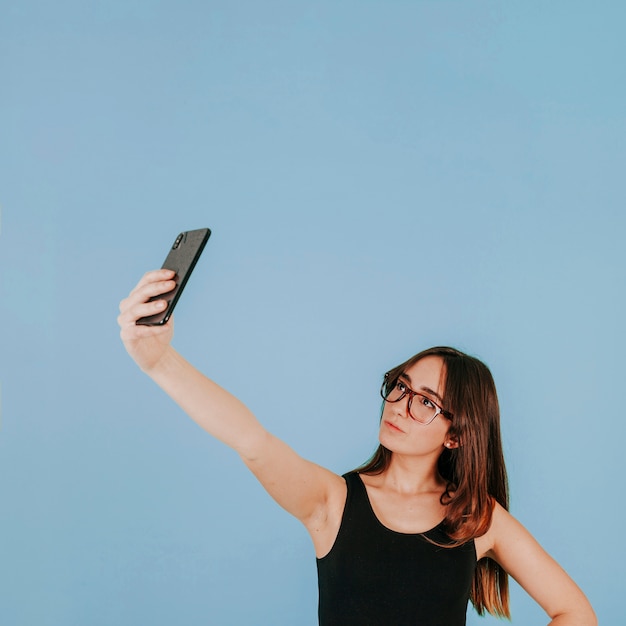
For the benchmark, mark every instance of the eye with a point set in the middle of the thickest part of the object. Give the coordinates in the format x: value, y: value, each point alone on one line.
x: 400, y: 386
x: 426, y: 402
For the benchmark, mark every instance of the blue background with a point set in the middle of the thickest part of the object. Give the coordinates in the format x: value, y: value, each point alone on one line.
x: 379, y: 177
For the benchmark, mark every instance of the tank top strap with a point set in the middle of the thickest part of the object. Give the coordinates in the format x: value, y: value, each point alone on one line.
x: 356, y: 488
x: 358, y: 509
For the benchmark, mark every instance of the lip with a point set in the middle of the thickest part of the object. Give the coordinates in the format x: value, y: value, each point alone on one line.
x: 393, y: 427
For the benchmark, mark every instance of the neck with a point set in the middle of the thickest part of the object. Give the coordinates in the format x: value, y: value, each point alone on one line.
x: 413, y: 474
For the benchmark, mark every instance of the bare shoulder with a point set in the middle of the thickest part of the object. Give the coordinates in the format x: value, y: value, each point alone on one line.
x: 505, y: 534
x: 485, y: 543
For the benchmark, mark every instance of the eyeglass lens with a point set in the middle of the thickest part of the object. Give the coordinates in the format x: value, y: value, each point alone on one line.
x: 422, y: 409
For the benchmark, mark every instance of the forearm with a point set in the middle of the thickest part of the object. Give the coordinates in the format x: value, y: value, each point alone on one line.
x: 213, y: 408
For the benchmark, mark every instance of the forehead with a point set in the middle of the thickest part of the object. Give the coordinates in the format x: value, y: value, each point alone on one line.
x: 428, y: 372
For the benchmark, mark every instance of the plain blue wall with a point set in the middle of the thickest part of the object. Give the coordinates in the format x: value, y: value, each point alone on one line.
x: 380, y: 176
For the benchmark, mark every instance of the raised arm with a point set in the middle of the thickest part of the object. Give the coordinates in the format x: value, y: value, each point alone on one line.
x: 516, y: 550
x: 299, y: 486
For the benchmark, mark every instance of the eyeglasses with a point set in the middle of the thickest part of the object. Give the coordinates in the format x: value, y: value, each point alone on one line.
x: 423, y: 410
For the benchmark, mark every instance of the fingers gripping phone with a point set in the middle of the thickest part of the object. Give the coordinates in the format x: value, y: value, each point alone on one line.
x: 182, y: 258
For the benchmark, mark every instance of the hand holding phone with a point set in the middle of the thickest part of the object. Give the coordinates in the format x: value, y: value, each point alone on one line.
x: 182, y: 259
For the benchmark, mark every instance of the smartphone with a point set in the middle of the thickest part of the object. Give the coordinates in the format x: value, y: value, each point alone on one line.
x: 182, y: 258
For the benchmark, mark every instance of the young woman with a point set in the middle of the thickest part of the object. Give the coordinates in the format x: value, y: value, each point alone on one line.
x: 418, y: 530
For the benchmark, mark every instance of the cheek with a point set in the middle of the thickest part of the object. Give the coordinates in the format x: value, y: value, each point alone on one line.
x: 385, y: 413
x: 431, y: 437
x: 387, y: 409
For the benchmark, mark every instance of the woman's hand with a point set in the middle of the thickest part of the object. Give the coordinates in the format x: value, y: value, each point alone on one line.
x: 146, y: 344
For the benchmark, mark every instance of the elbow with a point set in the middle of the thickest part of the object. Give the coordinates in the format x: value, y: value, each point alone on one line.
x: 254, y: 447
x: 584, y: 616
x: 589, y: 619
x: 593, y: 619
x: 588, y: 616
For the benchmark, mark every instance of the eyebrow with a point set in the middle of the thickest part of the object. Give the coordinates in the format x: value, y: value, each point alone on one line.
x: 426, y: 389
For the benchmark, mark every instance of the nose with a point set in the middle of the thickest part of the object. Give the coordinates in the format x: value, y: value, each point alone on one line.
x: 402, y: 407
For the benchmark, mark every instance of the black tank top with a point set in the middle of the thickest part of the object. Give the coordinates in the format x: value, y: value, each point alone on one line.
x: 374, y: 576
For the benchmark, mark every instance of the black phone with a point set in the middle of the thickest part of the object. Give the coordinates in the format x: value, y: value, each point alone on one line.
x: 182, y: 258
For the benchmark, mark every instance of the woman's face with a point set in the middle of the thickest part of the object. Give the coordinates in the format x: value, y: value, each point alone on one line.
x: 399, y: 432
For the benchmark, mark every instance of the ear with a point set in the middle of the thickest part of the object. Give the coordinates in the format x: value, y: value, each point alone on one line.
x: 452, y: 441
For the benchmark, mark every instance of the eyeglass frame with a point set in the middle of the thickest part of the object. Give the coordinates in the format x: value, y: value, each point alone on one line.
x: 412, y: 394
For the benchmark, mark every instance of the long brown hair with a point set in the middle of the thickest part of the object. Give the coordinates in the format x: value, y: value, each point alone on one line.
x: 474, y: 472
